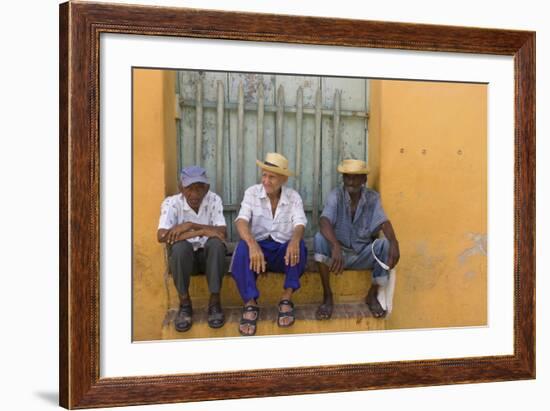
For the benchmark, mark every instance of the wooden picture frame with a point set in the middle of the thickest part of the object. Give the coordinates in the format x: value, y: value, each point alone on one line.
x: 80, y: 27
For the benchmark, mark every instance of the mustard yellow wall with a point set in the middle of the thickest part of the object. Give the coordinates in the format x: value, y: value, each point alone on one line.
x: 429, y: 151
x: 154, y: 177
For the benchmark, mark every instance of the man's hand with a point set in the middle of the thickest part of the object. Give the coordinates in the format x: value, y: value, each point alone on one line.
x: 393, y: 254
x: 292, y: 255
x: 337, y: 266
x: 212, y: 233
x: 171, y: 235
x: 257, y: 260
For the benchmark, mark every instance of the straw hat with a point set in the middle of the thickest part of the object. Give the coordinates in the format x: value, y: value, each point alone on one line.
x: 276, y: 163
x: 352, y: 166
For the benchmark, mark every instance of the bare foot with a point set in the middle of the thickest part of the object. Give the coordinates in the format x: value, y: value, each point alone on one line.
x: 373, y: 303
x: 324, y: 312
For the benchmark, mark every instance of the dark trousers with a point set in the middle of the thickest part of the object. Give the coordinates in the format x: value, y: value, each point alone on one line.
x: 184, y: 262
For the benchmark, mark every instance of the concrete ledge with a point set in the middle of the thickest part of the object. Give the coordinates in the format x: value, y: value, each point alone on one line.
x: 350, y: 286
x: 350, y: 317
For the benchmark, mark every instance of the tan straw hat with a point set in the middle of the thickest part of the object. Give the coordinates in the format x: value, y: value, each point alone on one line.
x: 353, y: 167
x: 276, y: 163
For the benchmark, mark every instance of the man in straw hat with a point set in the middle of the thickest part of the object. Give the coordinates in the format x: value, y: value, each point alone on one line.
x: 193, y: 226
x: 271, y: 225
x: 351, y: 220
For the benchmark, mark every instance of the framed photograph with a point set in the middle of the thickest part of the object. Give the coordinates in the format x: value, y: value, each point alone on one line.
x: 444, y: 119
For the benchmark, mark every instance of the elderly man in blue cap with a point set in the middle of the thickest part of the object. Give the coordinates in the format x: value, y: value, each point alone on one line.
x: 193, y: 226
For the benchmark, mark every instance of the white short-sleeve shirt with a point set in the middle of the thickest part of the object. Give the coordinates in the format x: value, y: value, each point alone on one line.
x: 256, y: 209
x: 175, y: 210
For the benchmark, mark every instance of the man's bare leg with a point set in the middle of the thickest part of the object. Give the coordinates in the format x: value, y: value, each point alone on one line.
x: 324, y: 312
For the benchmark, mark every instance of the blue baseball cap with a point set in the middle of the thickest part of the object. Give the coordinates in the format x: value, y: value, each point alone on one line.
x: 193, y: 174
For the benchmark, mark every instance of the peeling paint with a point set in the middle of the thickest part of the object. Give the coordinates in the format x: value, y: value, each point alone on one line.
x: 478, y: 248
x: 470, y: 274
x: 424, y: 269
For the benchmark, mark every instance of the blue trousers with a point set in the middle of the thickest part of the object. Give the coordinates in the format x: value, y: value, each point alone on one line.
x: 274, y: 254
x: 356, y: 261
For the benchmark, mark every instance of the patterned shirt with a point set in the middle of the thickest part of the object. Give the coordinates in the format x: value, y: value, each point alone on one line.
x: 175, y: 210
x: 369, y: 215
x: 256, y: 209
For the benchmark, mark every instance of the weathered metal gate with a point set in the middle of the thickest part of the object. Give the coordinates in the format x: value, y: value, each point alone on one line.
x: 228, y: 120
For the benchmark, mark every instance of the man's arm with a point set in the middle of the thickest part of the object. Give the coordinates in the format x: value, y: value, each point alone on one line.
x: 188, y: 230
x: 172, y: 235
x: 389, y: 233
x: 257, y: 260
x: 211, y: 230
x: 327, y: 230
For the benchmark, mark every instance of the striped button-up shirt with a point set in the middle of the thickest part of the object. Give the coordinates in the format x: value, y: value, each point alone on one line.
x: 369, y: 215
x: 256, y: 209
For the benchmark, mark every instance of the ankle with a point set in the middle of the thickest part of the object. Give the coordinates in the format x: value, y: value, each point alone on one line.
x: 287, y: 294
x: 214, y: 299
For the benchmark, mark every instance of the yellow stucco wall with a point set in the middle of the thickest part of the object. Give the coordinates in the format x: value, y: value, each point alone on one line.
x: 154, y: 176
x: 429, y: 144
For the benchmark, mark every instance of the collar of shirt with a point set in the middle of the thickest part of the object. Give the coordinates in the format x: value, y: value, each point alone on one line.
x: 284, y: 195
x: 187, y: 208
x: 360, y: 204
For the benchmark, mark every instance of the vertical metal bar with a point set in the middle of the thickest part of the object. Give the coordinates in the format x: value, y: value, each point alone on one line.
x: 219, y: 139
x: 317, y: 157
x: 240, y: 142
x: 336, y: 153
x: 179, y: 122
x: 280, y: 117
x: 260, y: 127
x: 198, y: 123
x: 299, y: 115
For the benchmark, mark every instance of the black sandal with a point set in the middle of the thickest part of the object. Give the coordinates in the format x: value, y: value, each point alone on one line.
x: 216, y: 318
x: 184, y: 321
x: 286, y: 314
x: 246, y: 321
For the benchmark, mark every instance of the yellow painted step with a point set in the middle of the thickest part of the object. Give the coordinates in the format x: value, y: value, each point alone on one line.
x: 351, y: 286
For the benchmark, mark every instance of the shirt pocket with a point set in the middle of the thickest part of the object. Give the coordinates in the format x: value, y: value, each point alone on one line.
x: 363, y: 233
x: 284, y: 219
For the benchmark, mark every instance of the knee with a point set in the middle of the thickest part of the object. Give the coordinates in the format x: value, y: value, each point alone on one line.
x: 181, y: 249
x: 214, y: 245
x: 381, y: 246
x: 320, y: 244
x: 241, y: 251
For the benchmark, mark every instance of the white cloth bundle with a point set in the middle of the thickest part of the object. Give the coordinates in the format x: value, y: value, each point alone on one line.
x: 385, y: 293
